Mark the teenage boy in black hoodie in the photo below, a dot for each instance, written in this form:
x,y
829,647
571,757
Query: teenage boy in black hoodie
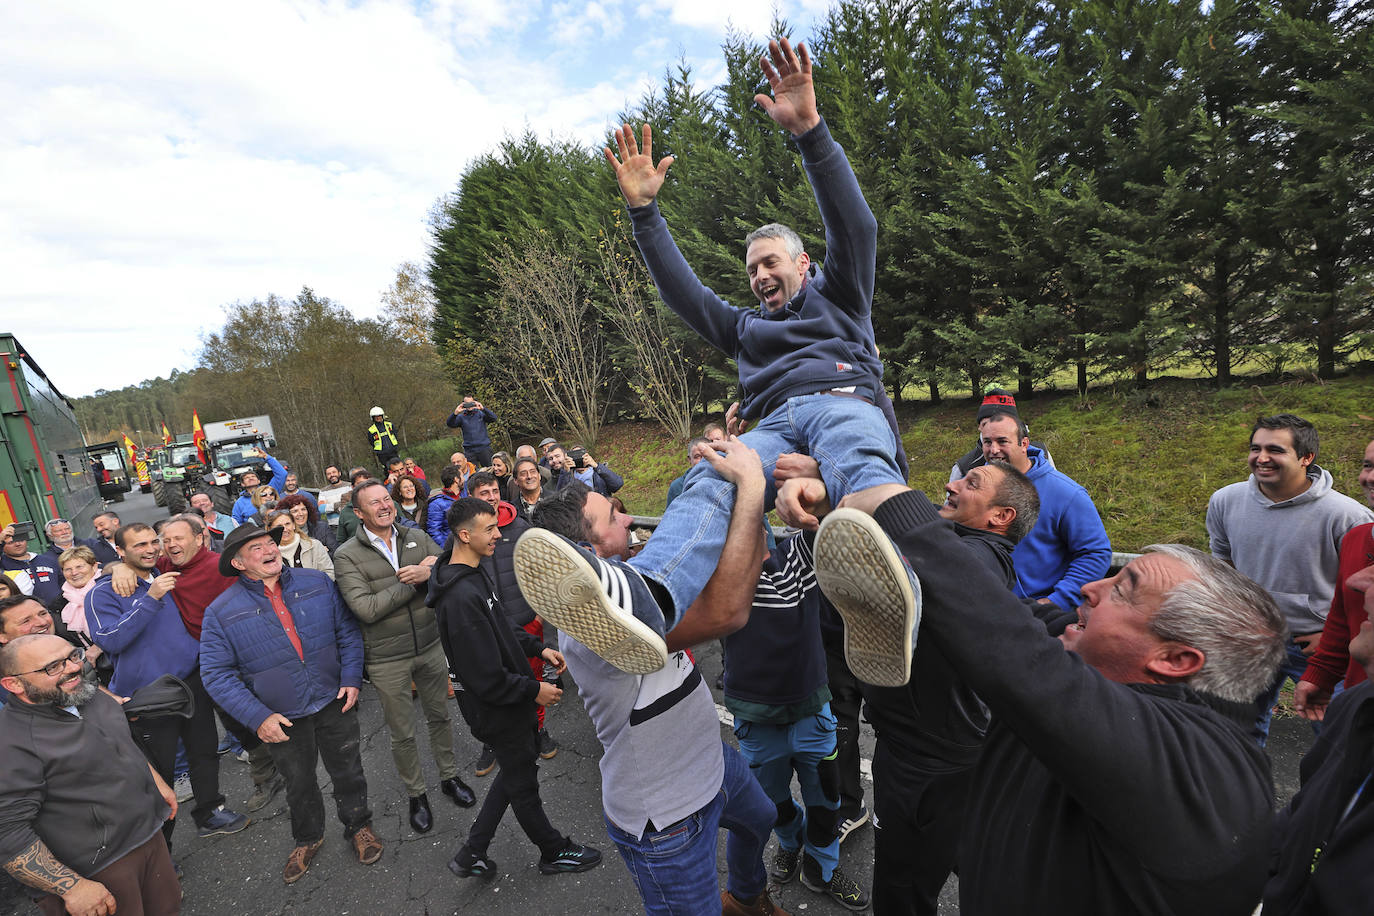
x,y
487,653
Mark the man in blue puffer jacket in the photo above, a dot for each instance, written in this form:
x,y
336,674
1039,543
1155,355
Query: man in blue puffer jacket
x,y
281,653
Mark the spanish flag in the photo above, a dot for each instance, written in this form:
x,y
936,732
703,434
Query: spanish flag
x,y
198,437
166,436
131,450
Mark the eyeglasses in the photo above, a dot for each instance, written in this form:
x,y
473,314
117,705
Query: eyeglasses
x,y
54,668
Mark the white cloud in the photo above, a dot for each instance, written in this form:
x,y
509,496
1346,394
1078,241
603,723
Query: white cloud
x,y
160,159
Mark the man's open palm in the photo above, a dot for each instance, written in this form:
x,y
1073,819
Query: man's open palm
x,y
793,104
639,178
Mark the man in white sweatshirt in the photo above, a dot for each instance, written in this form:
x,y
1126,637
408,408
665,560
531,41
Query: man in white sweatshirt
x,y
1282,527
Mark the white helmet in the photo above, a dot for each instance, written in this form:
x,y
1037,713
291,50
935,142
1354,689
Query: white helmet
x,y
377,412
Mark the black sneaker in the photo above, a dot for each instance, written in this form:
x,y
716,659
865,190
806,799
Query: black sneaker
x,y
486,761
841,888
784,867
548,748
466,865
573,857
850,820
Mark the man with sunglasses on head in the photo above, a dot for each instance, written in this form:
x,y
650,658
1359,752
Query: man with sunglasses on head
x,y
75,793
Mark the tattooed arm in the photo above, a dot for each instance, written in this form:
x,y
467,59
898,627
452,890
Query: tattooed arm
x,y
37,867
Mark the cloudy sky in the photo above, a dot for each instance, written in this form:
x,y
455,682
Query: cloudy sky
x,y
159,160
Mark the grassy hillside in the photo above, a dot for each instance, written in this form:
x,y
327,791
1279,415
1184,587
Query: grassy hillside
x,y
1150,460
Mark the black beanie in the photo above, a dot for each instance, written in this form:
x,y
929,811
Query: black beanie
x,y
997,400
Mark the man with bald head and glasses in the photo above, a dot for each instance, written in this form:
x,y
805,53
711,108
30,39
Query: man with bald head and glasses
x,y
70,760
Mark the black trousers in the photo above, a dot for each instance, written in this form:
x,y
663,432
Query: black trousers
x,y
158,737
516,785
332,736
479,455
920,818
845,699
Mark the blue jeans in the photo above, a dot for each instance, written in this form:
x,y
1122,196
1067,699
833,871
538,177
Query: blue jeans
x,y
1294,664
849,437
675,868
807,747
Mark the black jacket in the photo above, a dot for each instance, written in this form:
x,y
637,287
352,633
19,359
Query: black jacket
x,y
1090,797
1322,864
486,652
936,722
79,784
500,566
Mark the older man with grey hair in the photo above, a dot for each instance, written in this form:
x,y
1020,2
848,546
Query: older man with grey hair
x,y
1117,776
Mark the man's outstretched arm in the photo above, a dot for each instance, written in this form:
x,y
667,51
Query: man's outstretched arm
x,y
724,604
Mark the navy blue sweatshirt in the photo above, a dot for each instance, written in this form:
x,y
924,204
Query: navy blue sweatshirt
x,y
777,658
823,337
474,425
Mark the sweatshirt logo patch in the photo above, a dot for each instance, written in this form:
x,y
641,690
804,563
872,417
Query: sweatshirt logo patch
x,y
843,367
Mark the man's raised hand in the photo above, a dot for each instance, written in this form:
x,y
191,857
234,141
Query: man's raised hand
x,y
635,172
793,104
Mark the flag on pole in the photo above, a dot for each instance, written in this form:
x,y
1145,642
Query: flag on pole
x,y
166,436
198,437
131,450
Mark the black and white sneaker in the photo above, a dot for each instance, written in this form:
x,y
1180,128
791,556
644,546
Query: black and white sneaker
x,y
573,857
466,865
597,602
876,593
841,888
849,821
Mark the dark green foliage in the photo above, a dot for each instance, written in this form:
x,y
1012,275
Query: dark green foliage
x,y
1110,187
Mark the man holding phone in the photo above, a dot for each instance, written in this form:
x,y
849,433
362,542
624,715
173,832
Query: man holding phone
x,y
578,464
472,418
41,576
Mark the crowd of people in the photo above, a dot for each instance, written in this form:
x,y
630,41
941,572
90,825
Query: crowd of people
x,y
1068,739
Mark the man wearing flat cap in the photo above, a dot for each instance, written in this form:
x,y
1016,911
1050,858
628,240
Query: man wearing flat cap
x,y
282,654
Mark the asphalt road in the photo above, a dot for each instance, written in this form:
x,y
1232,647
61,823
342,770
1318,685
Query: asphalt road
x,y
241,874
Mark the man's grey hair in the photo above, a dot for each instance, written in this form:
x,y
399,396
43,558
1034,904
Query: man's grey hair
x,y
48,525
790,239
190,520
699,440
1016,491
1226,616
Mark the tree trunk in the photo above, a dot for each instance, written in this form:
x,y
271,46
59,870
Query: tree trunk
x,y
1024,381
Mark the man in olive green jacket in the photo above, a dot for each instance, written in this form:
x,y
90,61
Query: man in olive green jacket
x,y
383,574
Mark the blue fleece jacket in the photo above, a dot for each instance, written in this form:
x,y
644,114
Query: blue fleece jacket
x,y
243,506
248,663
474,425
144,637
1067,547
823,337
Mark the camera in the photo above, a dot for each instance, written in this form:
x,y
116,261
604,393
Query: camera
x,y
578,456
469,404
23,531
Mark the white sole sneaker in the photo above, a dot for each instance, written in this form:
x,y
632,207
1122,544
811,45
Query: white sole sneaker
x,y
569,592
862,574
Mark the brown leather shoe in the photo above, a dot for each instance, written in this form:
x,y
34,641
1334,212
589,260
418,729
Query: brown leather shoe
x,y
366,844
763,905
298,863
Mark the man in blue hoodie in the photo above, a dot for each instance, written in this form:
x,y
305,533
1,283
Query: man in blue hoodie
x,y
809,372
1068,546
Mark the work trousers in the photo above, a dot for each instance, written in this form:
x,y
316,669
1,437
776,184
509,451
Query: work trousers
x,y
158,736
428,671
332,736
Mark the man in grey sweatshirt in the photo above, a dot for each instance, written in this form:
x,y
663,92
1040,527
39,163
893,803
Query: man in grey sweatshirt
x,y
1282,527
